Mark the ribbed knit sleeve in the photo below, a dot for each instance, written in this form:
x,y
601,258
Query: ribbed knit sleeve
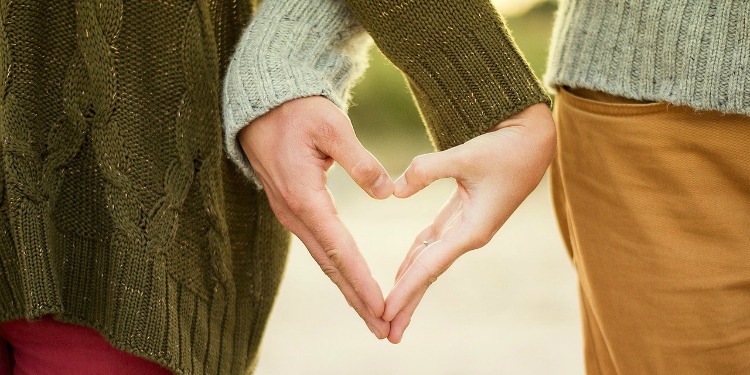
x,y
462,65
694,53
291,49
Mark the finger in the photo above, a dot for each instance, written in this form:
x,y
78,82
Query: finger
x,y
450,210
403,318
342,145
426,169
418,245
448,214
318,214
377,325
423,271
342,252
301,230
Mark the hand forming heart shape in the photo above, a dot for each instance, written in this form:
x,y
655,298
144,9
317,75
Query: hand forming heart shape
x,y
291,148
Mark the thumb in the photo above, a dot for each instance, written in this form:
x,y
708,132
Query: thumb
x,y
426,169
359,163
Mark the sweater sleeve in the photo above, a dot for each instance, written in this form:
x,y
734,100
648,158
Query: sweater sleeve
x,y
461,64
291,49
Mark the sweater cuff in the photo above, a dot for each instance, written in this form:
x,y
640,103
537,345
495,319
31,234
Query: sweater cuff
x,y
459,59
291,49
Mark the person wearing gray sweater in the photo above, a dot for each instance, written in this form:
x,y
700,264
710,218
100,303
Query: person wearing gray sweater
x,y
651,181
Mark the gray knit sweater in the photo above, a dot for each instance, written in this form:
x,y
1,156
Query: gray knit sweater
x,y
686,52
291,49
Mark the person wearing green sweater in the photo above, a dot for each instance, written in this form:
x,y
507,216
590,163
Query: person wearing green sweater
x,y
123,215
651,182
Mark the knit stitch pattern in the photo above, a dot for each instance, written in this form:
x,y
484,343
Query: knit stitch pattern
x,y
685,52
119,209
462,66
291,50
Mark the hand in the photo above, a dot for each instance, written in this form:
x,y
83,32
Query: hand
x,y
290,149
494,173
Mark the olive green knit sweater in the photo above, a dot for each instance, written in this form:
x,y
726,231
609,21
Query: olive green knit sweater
x,y
119,209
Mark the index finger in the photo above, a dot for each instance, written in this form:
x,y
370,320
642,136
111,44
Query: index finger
x,y
377,325
337,246
423,271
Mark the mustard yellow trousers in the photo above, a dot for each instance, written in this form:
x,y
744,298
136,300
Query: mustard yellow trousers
x,y
653,201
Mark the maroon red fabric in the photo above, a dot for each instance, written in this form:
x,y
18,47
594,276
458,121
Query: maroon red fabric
x,y
49,347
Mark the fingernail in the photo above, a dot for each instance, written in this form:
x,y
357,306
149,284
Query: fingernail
x,y
400,185
374,330
382,187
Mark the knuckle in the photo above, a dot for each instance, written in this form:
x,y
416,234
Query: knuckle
x,y
366,172
286,195
481,239
418,170
356,287
470,162
431,280
334,255
296,206
432,275
338,259
331,272
328,131
284,219
478,242
282,214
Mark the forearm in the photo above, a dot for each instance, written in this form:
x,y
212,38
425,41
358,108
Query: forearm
x,y
291,49
459,59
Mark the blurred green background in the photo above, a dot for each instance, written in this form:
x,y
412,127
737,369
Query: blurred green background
x,y
384,114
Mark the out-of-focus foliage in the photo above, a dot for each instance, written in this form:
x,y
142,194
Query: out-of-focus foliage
x,y
384,115
532,32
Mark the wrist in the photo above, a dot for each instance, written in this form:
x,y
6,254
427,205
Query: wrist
x,y
316,49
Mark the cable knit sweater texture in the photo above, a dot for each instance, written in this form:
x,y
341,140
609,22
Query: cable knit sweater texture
x,y
685,52
119,208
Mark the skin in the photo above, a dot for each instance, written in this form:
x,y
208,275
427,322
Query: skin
x,y
494,173
292,147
